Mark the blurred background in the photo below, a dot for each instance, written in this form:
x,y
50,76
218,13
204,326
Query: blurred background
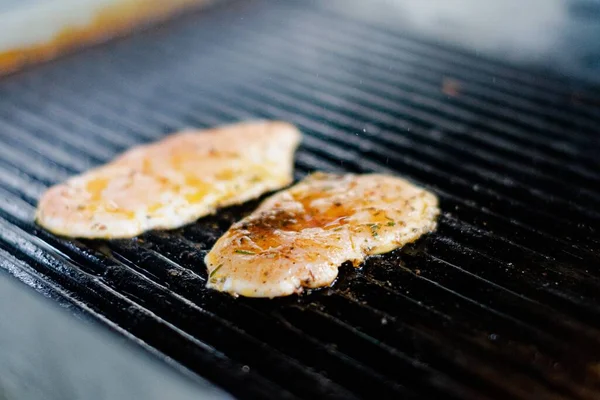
x,y
559,35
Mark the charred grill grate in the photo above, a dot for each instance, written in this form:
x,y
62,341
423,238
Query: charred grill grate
x,y
501,302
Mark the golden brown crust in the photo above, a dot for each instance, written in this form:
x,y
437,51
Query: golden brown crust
x,y
109,22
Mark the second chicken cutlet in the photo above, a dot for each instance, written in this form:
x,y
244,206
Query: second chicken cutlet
x,y
299,237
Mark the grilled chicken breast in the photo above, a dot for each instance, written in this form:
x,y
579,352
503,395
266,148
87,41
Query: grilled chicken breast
x,y
299,237
172,182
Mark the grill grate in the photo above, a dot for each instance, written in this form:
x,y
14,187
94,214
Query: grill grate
x,y
502,301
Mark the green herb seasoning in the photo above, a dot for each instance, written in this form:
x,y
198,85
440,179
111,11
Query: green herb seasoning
x,y
250,253
215,271
374,229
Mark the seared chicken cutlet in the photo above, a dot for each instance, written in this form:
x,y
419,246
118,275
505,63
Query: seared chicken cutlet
x,y
172,182
299,237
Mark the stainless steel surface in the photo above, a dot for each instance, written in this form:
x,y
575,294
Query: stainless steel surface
x,y
47,354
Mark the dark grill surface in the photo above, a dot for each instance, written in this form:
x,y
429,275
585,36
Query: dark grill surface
x,y
503,301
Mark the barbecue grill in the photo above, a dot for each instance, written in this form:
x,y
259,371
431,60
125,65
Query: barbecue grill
x,y
502,301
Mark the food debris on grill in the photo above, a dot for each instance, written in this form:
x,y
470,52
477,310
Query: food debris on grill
x,y
172,182
299,237
451,87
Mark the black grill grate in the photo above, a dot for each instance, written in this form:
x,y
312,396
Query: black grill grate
x,y
502,301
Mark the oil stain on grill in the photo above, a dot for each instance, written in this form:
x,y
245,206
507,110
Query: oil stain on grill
x,y
502,301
